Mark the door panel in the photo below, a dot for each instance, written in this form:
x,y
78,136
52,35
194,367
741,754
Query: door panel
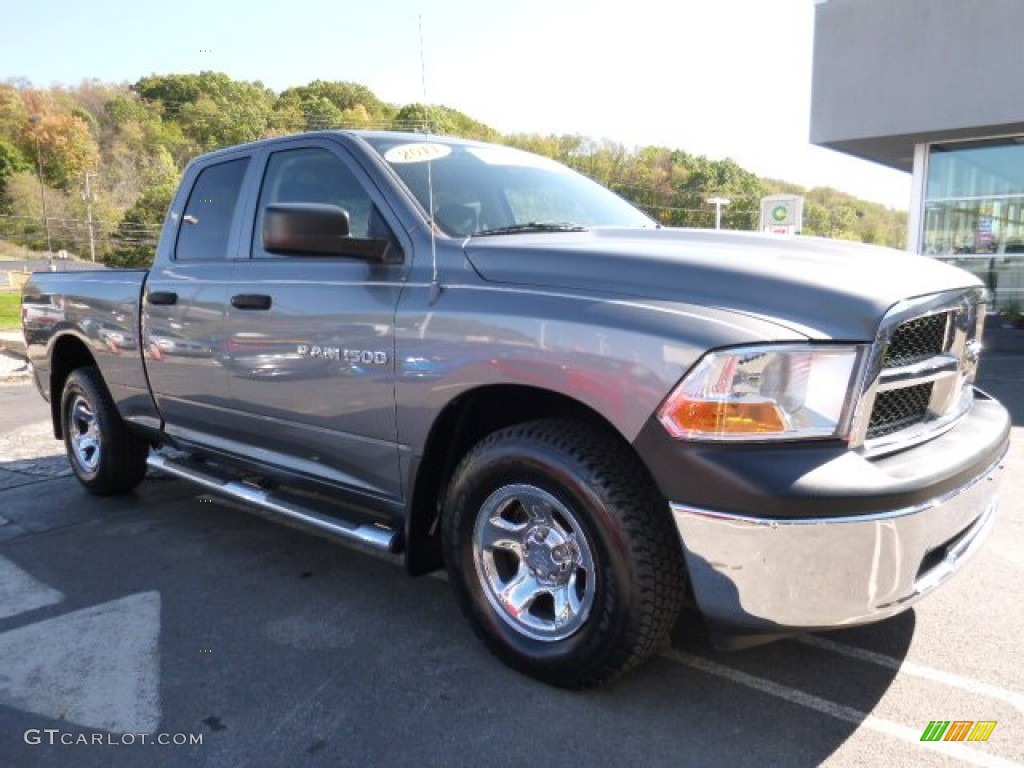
x,y
310,340
183,345
312,377
184,305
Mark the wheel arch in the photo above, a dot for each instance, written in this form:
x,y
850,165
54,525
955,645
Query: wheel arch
x,y
69,353
469,418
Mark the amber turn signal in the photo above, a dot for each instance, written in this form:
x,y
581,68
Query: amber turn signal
x,y
684,417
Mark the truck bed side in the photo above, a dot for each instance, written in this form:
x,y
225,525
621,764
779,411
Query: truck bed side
x,y
92,315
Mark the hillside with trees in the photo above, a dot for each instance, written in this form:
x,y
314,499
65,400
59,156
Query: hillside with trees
x,y
128,144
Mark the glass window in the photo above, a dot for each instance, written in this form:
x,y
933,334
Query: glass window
x,y
974,226
974,212
314,175
976,169
974,201
477,187
206,226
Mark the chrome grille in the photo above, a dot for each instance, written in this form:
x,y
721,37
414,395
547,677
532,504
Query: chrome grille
x,y
918,379
917,340
898,409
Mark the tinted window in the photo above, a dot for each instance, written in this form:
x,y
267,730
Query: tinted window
x,y
206,225
316,176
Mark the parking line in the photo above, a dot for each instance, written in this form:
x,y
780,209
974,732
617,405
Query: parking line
x,y
917,670
20,592
839,711
97,667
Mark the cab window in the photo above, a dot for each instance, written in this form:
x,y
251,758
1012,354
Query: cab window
x,y
205,229
314,175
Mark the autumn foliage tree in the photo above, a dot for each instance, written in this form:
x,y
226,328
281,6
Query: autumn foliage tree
x,y
134,142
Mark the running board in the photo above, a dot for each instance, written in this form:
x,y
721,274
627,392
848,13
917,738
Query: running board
x,y
275,508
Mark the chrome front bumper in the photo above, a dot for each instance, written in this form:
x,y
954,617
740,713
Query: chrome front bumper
x,y
754,576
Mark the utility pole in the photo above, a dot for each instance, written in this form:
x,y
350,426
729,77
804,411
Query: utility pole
x,y
35,120
718,202
88,213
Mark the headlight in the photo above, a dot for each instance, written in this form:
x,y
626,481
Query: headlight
x,y
765,393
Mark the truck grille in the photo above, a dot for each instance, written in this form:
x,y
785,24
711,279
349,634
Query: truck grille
x,y
919,381
917,340
898,409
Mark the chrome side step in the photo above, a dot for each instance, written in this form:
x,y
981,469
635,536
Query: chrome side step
x,y
268,505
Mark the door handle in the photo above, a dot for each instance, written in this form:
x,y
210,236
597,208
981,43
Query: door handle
x,y
163,297
251,301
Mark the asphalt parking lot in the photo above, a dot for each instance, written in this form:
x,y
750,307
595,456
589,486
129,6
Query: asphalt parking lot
x,y
170,613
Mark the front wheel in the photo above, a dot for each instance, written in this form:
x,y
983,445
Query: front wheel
x,y
561,553
106,457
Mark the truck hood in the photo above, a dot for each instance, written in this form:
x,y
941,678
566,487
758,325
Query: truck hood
x,y
825,289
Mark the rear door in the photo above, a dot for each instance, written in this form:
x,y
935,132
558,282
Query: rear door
x,y
310,339
185,299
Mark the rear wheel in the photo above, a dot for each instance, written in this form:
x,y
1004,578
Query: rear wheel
x,y
106,457
561,553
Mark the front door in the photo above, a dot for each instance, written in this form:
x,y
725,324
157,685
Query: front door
x,y
310,339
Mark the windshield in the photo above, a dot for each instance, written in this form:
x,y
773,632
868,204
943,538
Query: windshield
x,y
485,190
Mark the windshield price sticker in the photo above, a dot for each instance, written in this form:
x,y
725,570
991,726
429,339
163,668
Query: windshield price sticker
x,y
416,153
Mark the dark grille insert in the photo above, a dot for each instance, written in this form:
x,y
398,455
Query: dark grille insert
x,y
917,340
898,409
934,557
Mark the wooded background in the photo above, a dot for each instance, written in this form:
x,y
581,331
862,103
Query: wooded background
x,y
133,141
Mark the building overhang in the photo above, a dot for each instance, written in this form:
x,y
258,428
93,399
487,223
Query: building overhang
x,y
889,75
898,151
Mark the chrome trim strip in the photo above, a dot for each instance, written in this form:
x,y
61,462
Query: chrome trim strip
x,y
937,367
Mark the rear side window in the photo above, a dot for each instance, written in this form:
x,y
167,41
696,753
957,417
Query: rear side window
x,y
206,226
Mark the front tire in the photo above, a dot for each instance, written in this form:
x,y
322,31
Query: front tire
x,y
561,553
106,457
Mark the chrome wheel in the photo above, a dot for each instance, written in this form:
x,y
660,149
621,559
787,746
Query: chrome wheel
x,y
533,562
85,434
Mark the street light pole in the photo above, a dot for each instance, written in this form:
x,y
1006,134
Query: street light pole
x,y
35,120
718,202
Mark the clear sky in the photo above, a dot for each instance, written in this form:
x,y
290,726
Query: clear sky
x,y
725,78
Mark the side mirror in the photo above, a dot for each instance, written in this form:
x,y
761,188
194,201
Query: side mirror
x,y
316,229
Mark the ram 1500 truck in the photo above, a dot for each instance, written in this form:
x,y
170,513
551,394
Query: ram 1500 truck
x,y
473,358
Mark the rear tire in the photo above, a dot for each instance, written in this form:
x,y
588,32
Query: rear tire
x,y
561,553
106,457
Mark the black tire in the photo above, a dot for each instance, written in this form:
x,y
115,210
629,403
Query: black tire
x,y
601,492
106,457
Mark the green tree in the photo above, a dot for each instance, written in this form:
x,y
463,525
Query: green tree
x,y
323,104
441,120
27,225
11,162
135,239
212,109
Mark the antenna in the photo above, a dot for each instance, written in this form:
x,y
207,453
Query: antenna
x,y
435,284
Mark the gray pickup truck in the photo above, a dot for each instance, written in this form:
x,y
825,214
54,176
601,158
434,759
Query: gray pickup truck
x,y
471,357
